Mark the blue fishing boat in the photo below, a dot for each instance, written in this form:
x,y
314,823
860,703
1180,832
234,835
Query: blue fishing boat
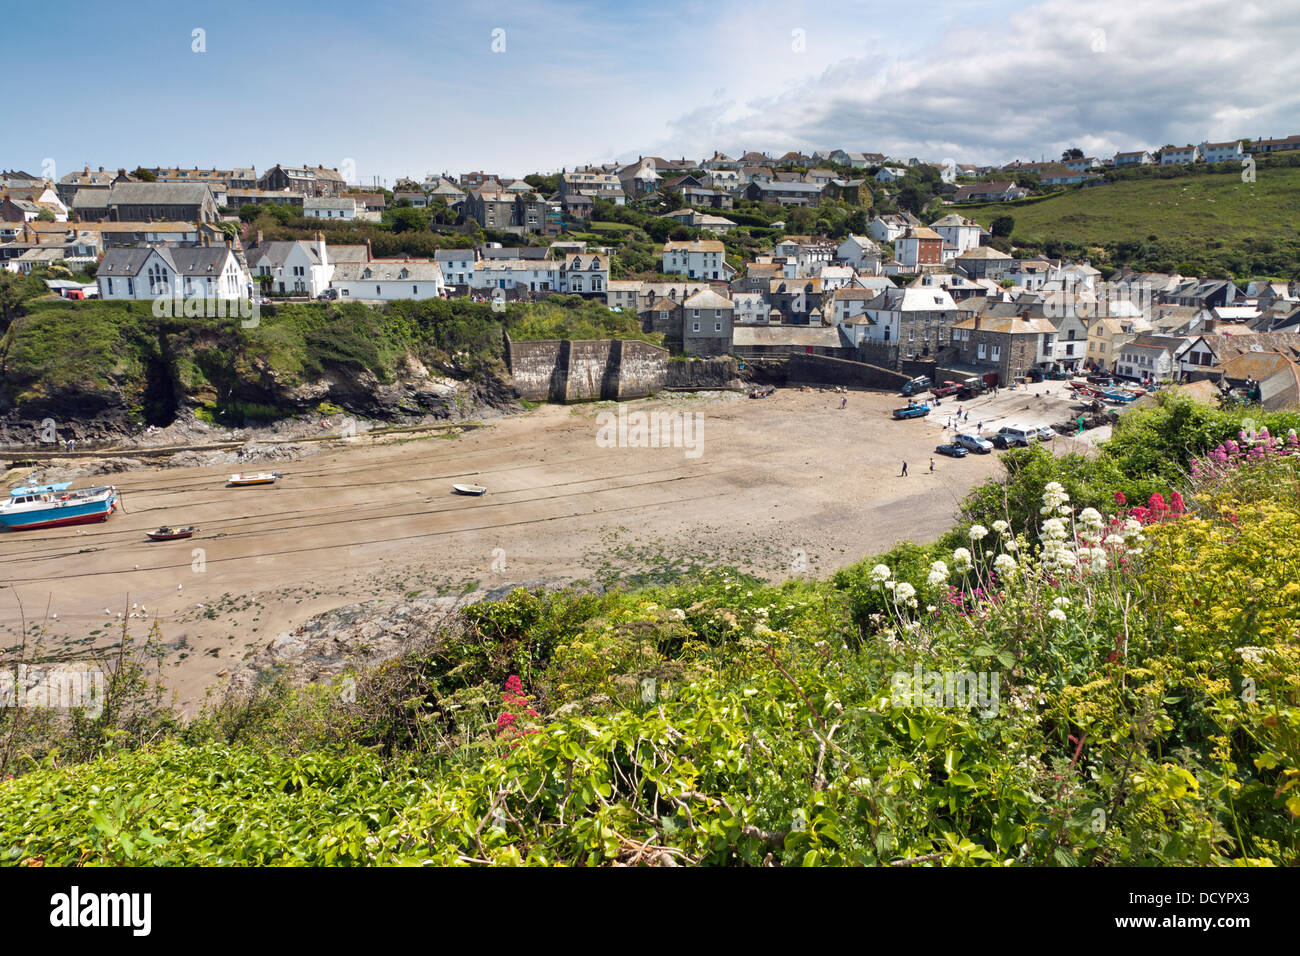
x,y
1119,395
54,509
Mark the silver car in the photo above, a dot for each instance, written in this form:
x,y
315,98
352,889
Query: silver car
x,y
972,442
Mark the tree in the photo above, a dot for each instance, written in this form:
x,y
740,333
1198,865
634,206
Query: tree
x,y
407,219
45,216
1002,226
1073,152
144,175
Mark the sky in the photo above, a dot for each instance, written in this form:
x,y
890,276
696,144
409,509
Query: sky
x,y
404,88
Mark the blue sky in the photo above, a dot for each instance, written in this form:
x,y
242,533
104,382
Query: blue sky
x,y
408,88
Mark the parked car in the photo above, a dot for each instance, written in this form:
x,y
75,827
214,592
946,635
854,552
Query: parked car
x,y
1013,436
970,388
946,389
972,442
917,385
913,410
329,294
952,451
1044,432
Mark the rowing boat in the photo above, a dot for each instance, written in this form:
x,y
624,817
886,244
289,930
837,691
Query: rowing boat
x,y
258,478
469,489
171,534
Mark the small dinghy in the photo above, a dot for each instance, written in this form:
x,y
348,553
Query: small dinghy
x,y
469,489
258,478
171,534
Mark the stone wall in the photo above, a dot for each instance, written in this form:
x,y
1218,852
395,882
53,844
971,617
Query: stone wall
x,y
562,370
824,370
711,373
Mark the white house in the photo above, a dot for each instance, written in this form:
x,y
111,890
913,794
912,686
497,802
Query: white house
x,y
290,266
388,279
1140,157
1222,152
959,232
148,272
889,227
330,207
1179,154
890,174
584,272
697,259
534,275
860,253
458,265
751,308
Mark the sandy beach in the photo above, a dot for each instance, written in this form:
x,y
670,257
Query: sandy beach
x,y
786,485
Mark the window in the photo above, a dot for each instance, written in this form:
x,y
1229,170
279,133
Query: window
x,y
717,326
695,327
378,290
980,352
997,353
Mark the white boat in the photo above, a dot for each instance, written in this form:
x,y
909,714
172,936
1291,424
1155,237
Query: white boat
x,y
469,489
256,478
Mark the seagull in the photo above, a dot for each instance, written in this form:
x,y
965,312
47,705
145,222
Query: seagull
x,y
180,587
54,616
107,611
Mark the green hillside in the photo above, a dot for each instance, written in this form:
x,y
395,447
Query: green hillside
x,y
1209,222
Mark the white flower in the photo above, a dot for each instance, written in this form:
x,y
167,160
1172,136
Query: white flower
x,y
978,532
1090,518
1114,541
1056,614
938,573
1054,529
677,614
961,559
1005,565
1133,526
904,592
1061,602
1001,527
1010,544
890,585
880,573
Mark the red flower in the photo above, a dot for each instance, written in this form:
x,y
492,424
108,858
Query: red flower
x,y
1120,499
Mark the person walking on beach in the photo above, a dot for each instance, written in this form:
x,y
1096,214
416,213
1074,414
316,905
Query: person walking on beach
x,y
904,474
931,465
844,401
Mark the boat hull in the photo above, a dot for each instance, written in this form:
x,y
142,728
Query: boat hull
x,y
90,513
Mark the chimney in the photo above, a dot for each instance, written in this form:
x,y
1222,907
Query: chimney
x,y
977,322
369,254
259,237
320,248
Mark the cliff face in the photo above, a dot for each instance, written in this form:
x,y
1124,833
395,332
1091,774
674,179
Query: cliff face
x,y
110,370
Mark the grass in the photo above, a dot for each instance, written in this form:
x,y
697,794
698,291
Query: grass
x,y
1207,219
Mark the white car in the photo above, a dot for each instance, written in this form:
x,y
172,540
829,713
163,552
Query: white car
x,y
1044,432
972,442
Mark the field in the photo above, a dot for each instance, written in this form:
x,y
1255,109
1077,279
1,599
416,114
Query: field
x,y
1248,228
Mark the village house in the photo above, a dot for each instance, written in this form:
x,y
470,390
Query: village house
x,y
960,232
1275,145
1107,335
1002,191
385,280
1223,152
915,319
343,208
1006,345
697,259
919,247
1179,154
889,227
584,273
751,308
707,320
1150,357
304,180
1271,378
1140,157
200,271
983,262
782,341
639,179
786,194
890,175
796,301
290,267
458,266
142,202
861,253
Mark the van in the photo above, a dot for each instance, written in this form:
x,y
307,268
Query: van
x,y
1013,436
917,385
